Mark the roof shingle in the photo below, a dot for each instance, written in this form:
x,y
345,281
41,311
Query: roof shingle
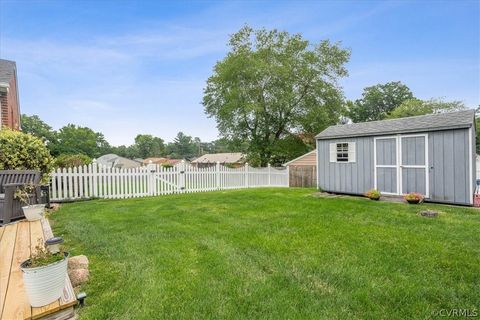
x,y
7,70
433,122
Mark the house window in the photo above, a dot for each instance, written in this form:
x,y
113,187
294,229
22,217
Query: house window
x,y
342,152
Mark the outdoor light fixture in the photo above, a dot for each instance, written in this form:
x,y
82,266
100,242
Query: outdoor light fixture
x,y
81,298
53,244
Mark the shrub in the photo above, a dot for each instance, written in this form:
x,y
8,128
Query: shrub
x,y
414,197
41,256
373,194
23,193
72,160
22,151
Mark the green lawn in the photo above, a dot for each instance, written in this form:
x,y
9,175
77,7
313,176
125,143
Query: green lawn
x,y
272,254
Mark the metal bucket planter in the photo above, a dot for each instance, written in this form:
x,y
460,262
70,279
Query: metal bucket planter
x,y
44,284
413,201
33,212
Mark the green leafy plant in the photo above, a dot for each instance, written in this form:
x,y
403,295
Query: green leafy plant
x,y
72,160
42,257
414,197
24,193
21,151
373,194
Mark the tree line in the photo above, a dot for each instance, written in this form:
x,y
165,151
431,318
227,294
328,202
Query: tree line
x,y
77,140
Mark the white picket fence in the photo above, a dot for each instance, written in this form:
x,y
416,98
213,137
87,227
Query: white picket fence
x,y
96,181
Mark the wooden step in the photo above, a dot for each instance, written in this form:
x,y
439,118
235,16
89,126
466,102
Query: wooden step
x,y
17,241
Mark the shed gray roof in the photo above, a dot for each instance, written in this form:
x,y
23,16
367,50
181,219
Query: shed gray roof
x,y
433,122
7,70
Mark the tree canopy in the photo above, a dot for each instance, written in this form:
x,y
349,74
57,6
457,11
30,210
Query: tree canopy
x,y
38,128
71,143
273,84
72,139
184,146
379,101
147,146
417,107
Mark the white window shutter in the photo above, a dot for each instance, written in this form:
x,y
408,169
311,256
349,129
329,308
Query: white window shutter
x,y
333,152
352,152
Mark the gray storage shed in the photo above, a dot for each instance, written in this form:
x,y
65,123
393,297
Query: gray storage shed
x,y
432,155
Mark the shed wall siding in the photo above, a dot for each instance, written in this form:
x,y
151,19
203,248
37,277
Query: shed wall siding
x,y
449,167
348,177
450,178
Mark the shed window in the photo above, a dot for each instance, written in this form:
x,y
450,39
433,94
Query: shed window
x,y
342,152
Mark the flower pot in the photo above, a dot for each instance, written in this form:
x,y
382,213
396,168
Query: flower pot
x,y
44,284
413,201
34,212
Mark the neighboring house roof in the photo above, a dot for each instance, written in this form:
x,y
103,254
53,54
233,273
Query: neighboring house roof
x,y
7,71
234,157
433,122
161,161
112,160
308,159
153,160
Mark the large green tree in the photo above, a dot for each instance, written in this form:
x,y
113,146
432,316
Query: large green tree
x,y
273,84
72,139
146,146
417,107
38,128
379,101
184,146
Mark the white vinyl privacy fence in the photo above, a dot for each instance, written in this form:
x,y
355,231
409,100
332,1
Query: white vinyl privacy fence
x,y
96,181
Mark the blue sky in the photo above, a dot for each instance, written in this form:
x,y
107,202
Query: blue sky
x,y
128,67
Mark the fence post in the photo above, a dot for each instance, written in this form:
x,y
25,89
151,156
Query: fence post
x,y
181,178
288,176
94,178
269,175
151,173
246,174
217,175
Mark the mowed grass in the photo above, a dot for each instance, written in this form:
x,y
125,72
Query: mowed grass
x,y
272,254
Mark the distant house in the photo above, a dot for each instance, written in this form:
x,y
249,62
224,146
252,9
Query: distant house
x,y
9,102
112,160
303,170
306,160
234,159
162,161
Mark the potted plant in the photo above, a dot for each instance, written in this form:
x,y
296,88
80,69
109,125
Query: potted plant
x,y
373,194
27,195
414,198
44,275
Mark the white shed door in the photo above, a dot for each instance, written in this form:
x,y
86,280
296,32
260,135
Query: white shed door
x,y
386,165
401,164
